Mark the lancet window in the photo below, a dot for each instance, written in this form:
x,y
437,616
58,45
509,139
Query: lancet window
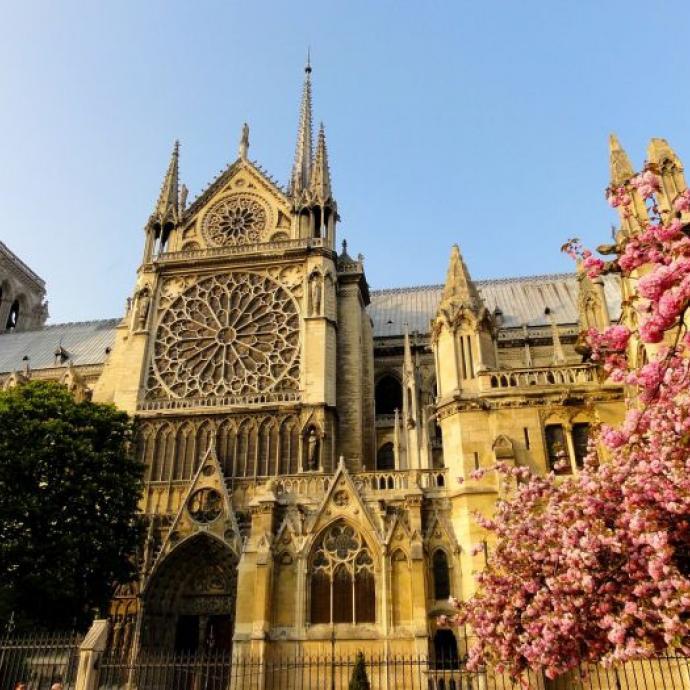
x,y
441,574
342,578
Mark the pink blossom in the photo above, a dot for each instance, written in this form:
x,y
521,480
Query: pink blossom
x,y
682,202
646,183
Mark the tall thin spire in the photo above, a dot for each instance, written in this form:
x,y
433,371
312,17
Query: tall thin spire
x,y
301,169
166,209
620,165
320,184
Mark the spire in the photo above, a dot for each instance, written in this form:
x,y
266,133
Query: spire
x,y
320,184
301,169
459,286
167,206
620,165
244,142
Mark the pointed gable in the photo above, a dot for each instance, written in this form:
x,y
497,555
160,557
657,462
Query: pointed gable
x,y
206,508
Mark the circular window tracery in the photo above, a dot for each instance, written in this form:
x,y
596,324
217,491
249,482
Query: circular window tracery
x,y
205,505
238,219
236,334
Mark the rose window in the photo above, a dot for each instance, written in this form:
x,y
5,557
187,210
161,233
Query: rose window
x,y
235,220
235,334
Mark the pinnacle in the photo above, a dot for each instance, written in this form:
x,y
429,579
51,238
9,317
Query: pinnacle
x,y
659,151
459,285
620,166
320,183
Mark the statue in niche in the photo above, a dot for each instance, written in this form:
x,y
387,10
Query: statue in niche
x,y
313,450
315,289
143,309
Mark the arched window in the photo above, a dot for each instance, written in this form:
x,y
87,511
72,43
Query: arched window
x,y
580,440
13,316
342,578
441,574
385,458
556,449
388,395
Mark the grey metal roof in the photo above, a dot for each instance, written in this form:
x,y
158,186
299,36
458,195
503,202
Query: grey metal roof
x,y
85,342
522,301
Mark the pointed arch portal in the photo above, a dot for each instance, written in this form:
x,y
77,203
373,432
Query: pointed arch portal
x,y
189,603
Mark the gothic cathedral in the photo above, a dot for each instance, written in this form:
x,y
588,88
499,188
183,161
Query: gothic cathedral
x,y
309,443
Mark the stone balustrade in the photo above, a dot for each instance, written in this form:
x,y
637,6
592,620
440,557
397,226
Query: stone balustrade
x,y
561,375
219,401
267,248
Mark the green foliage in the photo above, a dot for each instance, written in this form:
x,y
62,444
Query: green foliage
x,y
69,488
359,679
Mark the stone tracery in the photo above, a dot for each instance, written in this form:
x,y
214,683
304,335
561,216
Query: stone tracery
x,y
238,219
235,334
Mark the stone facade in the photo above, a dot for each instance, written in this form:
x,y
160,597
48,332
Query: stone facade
x,y
304,438
22,294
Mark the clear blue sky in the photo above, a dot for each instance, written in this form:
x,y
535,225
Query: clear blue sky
x,y
483,123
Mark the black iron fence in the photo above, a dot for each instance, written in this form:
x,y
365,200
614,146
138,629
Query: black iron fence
x,y
39,661
217,670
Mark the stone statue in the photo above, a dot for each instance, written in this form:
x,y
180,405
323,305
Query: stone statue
x,y
182,202
143,310
312,450
128,305
244,141
315,296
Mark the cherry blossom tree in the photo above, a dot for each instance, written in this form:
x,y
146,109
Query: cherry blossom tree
x,y
596,567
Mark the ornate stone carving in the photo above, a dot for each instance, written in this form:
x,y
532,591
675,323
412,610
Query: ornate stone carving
x,y
341,545
234,334
237,219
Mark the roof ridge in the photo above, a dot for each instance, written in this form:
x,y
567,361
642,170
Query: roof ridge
x,y
51,326
478,283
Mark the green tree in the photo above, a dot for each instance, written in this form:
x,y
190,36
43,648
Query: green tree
x,y
69,487
359,679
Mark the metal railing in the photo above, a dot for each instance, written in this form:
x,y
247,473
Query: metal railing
x,y
219,670
39,661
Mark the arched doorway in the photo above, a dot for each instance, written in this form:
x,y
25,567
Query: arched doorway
x,y
189,604
445,649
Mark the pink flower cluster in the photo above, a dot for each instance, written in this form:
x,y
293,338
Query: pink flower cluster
x,y
596,567
646,183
